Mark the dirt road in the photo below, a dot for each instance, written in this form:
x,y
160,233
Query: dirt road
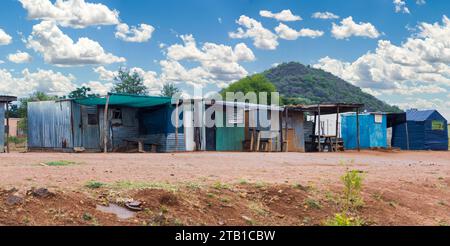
x,y
399,188
28,169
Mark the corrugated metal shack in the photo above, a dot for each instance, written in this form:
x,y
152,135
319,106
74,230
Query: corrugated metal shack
x,y
423,130
4,131
372,130
231,126
79,124
301,135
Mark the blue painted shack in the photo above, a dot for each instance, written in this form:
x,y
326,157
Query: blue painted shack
x,y
69,124
372,130
423,130
4,102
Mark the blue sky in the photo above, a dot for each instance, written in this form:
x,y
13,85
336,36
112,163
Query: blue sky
x,y
197,42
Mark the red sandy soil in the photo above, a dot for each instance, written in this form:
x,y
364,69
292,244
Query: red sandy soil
x,y
399,188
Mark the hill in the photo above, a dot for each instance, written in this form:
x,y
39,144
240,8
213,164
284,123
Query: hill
x,y
299,84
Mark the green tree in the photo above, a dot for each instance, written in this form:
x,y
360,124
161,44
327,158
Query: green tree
x,y
128,82
169,90
23,106
81,92
256,83
13,111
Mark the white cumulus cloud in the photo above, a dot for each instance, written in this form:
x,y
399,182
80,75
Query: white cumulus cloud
x,y
48,81
59,49
262,38
150,78
71,13
349,28
20,57
288,33
324,15
285,15
139,34
400,6
5,39
218,63
418,66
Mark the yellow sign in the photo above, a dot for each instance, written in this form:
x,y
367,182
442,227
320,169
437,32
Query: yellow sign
x,y
437,125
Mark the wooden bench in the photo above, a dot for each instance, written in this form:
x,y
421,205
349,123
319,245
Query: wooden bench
x,y
138,141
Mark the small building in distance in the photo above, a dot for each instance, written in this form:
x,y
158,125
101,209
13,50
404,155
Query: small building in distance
x,y
4,103
423,130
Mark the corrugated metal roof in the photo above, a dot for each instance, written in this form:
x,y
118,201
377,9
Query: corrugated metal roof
x,y
418,115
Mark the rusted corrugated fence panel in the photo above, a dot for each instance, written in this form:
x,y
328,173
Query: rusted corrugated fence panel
x,y
49,125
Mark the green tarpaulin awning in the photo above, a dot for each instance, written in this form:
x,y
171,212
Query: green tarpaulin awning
x,y
133,101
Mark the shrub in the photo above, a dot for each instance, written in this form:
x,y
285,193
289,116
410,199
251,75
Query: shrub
x,y
341,219
352,190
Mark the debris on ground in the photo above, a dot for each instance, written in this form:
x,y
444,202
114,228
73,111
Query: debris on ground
x,y
41,193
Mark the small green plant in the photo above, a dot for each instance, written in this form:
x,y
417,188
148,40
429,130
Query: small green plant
x,y
193,186
60,163
94,184
312,203
164,209
225,199
260,185
243,181
87,217
220,186
17,140
257,208
341,219
132,185
352,190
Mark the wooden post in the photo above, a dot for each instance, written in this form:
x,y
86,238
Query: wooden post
x,y
337,128
281,130
258,141
286,147
320,146
105,126
176,127
7,127
357,130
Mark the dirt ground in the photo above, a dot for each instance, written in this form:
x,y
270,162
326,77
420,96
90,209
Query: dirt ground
x,y
399,188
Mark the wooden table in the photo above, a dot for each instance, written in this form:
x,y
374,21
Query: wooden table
x,y
329,140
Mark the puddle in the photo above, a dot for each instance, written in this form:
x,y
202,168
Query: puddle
x,y
120,212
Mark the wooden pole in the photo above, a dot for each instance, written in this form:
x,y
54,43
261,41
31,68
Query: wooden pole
x,y
320,146
357,130
286,147
337,128
105,126
176,127
281,130
7,127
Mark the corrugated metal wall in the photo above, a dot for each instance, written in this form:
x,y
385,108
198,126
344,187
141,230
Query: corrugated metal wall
x,y
371,133
421,135
228,138
2,127
77,125
49,125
